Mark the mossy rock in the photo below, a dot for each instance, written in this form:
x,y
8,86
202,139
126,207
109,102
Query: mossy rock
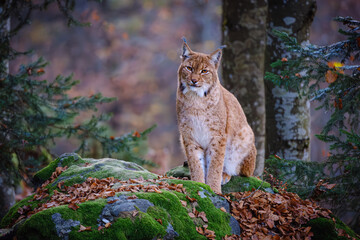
x,y
180,171
236,183
135,215
79,169
164,215
326,229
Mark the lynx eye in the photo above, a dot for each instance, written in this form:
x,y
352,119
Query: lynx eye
x,y
189,68
204,71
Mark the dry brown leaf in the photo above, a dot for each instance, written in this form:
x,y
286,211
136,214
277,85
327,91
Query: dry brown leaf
x,y
190,199
183,203
135,213
200,230
132,197
83,228
223,209
73,206
202,215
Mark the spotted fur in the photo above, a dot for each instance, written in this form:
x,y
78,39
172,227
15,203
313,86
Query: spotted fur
x,y
214,133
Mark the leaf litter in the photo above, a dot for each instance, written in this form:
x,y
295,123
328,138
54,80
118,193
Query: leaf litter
x,y
261,215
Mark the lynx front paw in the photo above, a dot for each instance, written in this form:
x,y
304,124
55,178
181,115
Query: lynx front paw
x,y
225,178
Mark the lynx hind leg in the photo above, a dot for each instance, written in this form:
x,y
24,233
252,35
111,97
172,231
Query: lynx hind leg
x,y
225,178
247,167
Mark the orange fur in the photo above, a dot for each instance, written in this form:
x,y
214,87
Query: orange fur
x,y
214,133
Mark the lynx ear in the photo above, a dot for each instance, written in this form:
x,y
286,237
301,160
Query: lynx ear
x,y
215,57
186,51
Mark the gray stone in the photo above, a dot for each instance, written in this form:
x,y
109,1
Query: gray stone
x,y
62,226
235,227
171,233
123,205
218,201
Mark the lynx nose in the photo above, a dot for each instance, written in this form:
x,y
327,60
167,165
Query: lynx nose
x,y
194,81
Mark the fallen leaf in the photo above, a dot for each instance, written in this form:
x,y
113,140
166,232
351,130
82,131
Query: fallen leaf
x,y
73,206
132,197
270,223
190,199
135,213
202,215
183,203
83,228
223,209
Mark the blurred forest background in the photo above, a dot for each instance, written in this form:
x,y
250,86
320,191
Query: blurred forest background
x,y
131,52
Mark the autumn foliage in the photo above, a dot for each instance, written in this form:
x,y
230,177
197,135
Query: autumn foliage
x,y
261,215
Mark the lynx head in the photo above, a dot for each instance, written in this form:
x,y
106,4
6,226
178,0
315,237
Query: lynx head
x,y
198,71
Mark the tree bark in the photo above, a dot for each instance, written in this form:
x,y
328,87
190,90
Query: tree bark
x,y
7,191
287,115
244,34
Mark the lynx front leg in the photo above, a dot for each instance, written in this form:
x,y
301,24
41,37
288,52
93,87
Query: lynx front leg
x,y
215,160
196,161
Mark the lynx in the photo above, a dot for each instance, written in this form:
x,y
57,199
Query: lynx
x,y
214,133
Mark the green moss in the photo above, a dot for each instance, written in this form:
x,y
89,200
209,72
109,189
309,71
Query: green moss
x,y
41,226
159,213
103,168
12,214
323,229
218,220
38,226
341,225
242,184
179,172
45,173
180,219
182,223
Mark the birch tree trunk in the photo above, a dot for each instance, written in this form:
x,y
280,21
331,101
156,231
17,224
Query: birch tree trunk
x,y
287,115
7,191
244,34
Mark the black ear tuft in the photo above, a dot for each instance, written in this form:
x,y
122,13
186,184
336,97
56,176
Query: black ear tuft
x,y
215,57
186,51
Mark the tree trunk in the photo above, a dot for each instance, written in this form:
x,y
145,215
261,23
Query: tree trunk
x,y
287,115
244,33
7,191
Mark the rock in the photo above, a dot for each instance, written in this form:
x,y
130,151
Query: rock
x,y
122,207
63,227
221,202
127,203
180,171
236,183
242,184
150,203
80,169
